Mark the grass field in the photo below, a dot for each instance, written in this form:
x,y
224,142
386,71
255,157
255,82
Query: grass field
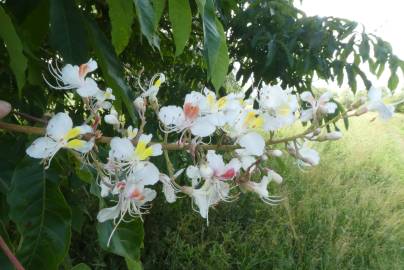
x,y
347,213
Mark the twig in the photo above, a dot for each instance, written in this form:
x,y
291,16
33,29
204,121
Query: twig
x,y
30,117
13,259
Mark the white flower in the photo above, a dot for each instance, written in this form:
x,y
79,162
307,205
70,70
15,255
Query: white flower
x,y
220,170
320,106
279,105
209,194
261,188
60,134
154,86
103,99
307,156
176,119
130,157
376,104
74,77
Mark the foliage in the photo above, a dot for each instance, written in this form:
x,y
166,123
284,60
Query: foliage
x,y
272,40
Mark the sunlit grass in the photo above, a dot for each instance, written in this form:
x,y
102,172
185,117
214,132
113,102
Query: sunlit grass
x,y
347,213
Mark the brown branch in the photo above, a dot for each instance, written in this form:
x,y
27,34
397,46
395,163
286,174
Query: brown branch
x,y
13,259
106,140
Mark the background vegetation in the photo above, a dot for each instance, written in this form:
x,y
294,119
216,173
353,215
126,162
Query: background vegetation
x,y
344,214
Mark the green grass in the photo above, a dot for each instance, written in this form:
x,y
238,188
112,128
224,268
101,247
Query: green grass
x,y
347,213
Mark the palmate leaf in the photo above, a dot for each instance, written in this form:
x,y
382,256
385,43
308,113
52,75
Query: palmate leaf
x,y
121,14
42,216
67,34
111,67
181,20
18,61
215,48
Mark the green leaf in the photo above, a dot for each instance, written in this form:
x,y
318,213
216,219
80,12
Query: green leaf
x,y
364,48
121,14
380,69
393,81
35,26
18,61
145,16
158,6
133,265
81,266
126,241
42,217
111,67
215,48
181,20
67,34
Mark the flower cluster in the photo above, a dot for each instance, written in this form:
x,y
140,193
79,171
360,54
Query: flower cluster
x,y
250,127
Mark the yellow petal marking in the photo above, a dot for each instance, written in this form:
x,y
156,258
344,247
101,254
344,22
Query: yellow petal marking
x,y
253,121
157,83
72,133
221,102
75,144
284,110
142,151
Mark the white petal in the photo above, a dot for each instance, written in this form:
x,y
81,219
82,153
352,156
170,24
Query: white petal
x,y
91,65
146,174
215,161
374,94
145,138
195,98
329,107
59,125
157,149
306,115
253,143
85,129
193,172
325,97
149,195
171,116
111,119
70,76
121,148
169,193
42,147
202,127
310,155
88,89
108,213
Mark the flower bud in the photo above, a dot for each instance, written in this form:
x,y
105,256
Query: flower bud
x,y
361,111
5,108
111,119
275,176
333,136
275,153
140,105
